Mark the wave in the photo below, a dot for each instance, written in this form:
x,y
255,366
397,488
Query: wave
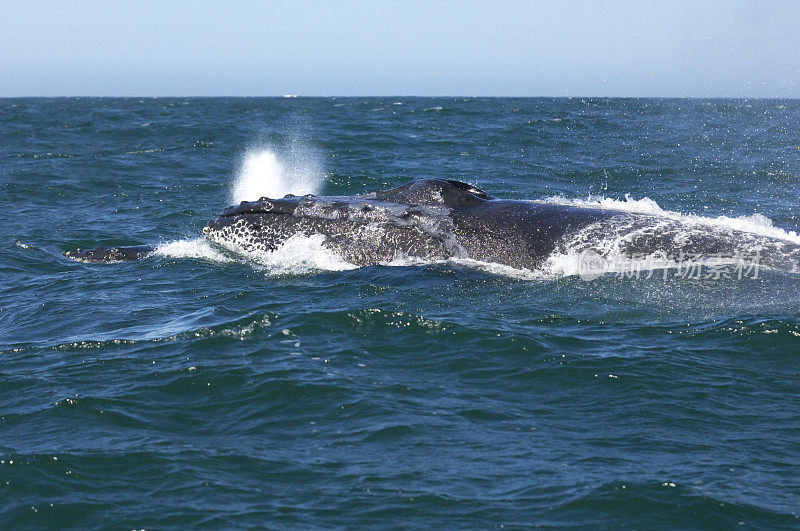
x,y
492,268
754,224
298,255
653,241
198,248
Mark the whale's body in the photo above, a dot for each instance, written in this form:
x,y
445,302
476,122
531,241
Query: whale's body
x,y
437,219
431,219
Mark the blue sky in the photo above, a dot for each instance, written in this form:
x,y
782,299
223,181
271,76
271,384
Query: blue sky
x,y
500,48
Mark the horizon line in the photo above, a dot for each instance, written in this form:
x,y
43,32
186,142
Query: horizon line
x,y
445,96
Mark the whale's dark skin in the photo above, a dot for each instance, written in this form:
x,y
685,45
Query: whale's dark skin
x,y
437,219
428,219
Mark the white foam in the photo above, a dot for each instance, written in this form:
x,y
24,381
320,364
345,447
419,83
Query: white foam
x,y
468,263
500,269
198,248
590,265
655,266
754,224
301,255
560,265
264,172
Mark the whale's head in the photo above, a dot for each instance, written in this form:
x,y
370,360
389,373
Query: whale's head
x,y
410,220
260,225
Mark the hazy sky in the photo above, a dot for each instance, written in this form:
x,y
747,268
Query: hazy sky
x,y
494,48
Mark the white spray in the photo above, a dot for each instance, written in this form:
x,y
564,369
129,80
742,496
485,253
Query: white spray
x,y
270,173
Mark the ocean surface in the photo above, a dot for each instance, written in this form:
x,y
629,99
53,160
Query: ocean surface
x,y
200,386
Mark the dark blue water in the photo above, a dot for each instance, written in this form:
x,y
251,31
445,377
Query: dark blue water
x,y
198,388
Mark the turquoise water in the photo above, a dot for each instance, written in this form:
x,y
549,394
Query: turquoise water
x,y
201,387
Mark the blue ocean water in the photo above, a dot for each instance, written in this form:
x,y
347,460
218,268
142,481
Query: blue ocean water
x,y
196,387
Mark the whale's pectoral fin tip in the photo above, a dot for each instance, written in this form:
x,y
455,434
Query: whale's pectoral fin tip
x,y
110,254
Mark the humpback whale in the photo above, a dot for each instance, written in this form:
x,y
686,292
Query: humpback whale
x,y
437,219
